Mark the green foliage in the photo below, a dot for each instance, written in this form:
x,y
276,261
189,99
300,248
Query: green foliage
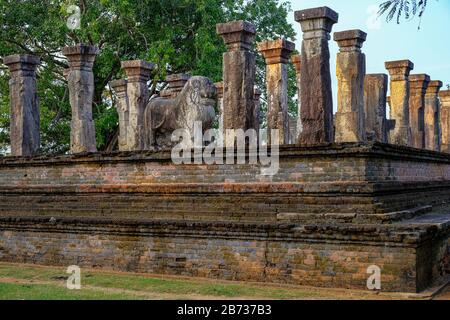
x,y
177,35
402,8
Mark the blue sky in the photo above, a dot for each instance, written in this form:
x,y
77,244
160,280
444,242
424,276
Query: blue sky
x,y
428,48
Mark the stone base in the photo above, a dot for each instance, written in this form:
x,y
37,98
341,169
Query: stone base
x,y
401,136
348,128
412,257
329,213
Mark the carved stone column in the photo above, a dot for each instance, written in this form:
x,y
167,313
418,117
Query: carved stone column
x,y
297,62
316,95
238,76
257,116
277,53
24,105
120,88
399,72
81,90
219,87
445,120
375,90
432,116
293,134
418,87
176,84
138,74
351,71
390,122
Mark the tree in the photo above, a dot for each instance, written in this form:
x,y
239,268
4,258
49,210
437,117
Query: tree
x,y
402,8
177,35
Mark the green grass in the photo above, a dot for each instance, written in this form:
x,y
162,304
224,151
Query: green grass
x,y
12,291
33,282
132,282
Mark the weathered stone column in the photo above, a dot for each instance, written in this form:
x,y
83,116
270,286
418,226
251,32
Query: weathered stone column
x,y
351,71
277,53
293,134
238,76
375,91
445,120
399,72
418,86
297,62
316,95
81,90
257,116
219,87
432,116
176,84
24,105
138,74
120,88
390,122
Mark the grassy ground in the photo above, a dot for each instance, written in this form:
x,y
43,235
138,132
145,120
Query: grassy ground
x,y
44,283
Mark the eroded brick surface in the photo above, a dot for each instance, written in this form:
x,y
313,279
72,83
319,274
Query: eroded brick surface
x,y
286,253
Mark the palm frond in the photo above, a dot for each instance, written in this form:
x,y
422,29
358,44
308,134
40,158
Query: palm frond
x,y
402,8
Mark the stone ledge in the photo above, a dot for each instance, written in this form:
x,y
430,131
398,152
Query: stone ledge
x,y
403,64
344,187
316,13
375,150
409,235
21,59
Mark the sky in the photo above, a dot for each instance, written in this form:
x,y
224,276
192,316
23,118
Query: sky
x,y
428,48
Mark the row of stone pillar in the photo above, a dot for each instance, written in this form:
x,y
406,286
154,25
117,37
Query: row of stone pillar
x,y
313,76
418,117
415,108
132,98
24,102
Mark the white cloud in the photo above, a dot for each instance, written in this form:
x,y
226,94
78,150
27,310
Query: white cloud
x,y
373,22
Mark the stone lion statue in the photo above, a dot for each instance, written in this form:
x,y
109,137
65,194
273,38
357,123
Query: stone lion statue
x,y
163,116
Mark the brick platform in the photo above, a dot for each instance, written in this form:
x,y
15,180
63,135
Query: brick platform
x,y
331,212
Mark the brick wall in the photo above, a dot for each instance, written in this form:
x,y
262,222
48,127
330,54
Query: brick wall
x,y
281,253
329,213
340,179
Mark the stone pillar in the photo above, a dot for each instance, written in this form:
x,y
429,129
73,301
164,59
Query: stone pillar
x,y
351,71
418,86
24,105
138,74
445,120
219,88
176,83
120,88
399,72
238,75
293,134
432,115
277,53
81,90
297,62
316,95
375,90
257,116
390,122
